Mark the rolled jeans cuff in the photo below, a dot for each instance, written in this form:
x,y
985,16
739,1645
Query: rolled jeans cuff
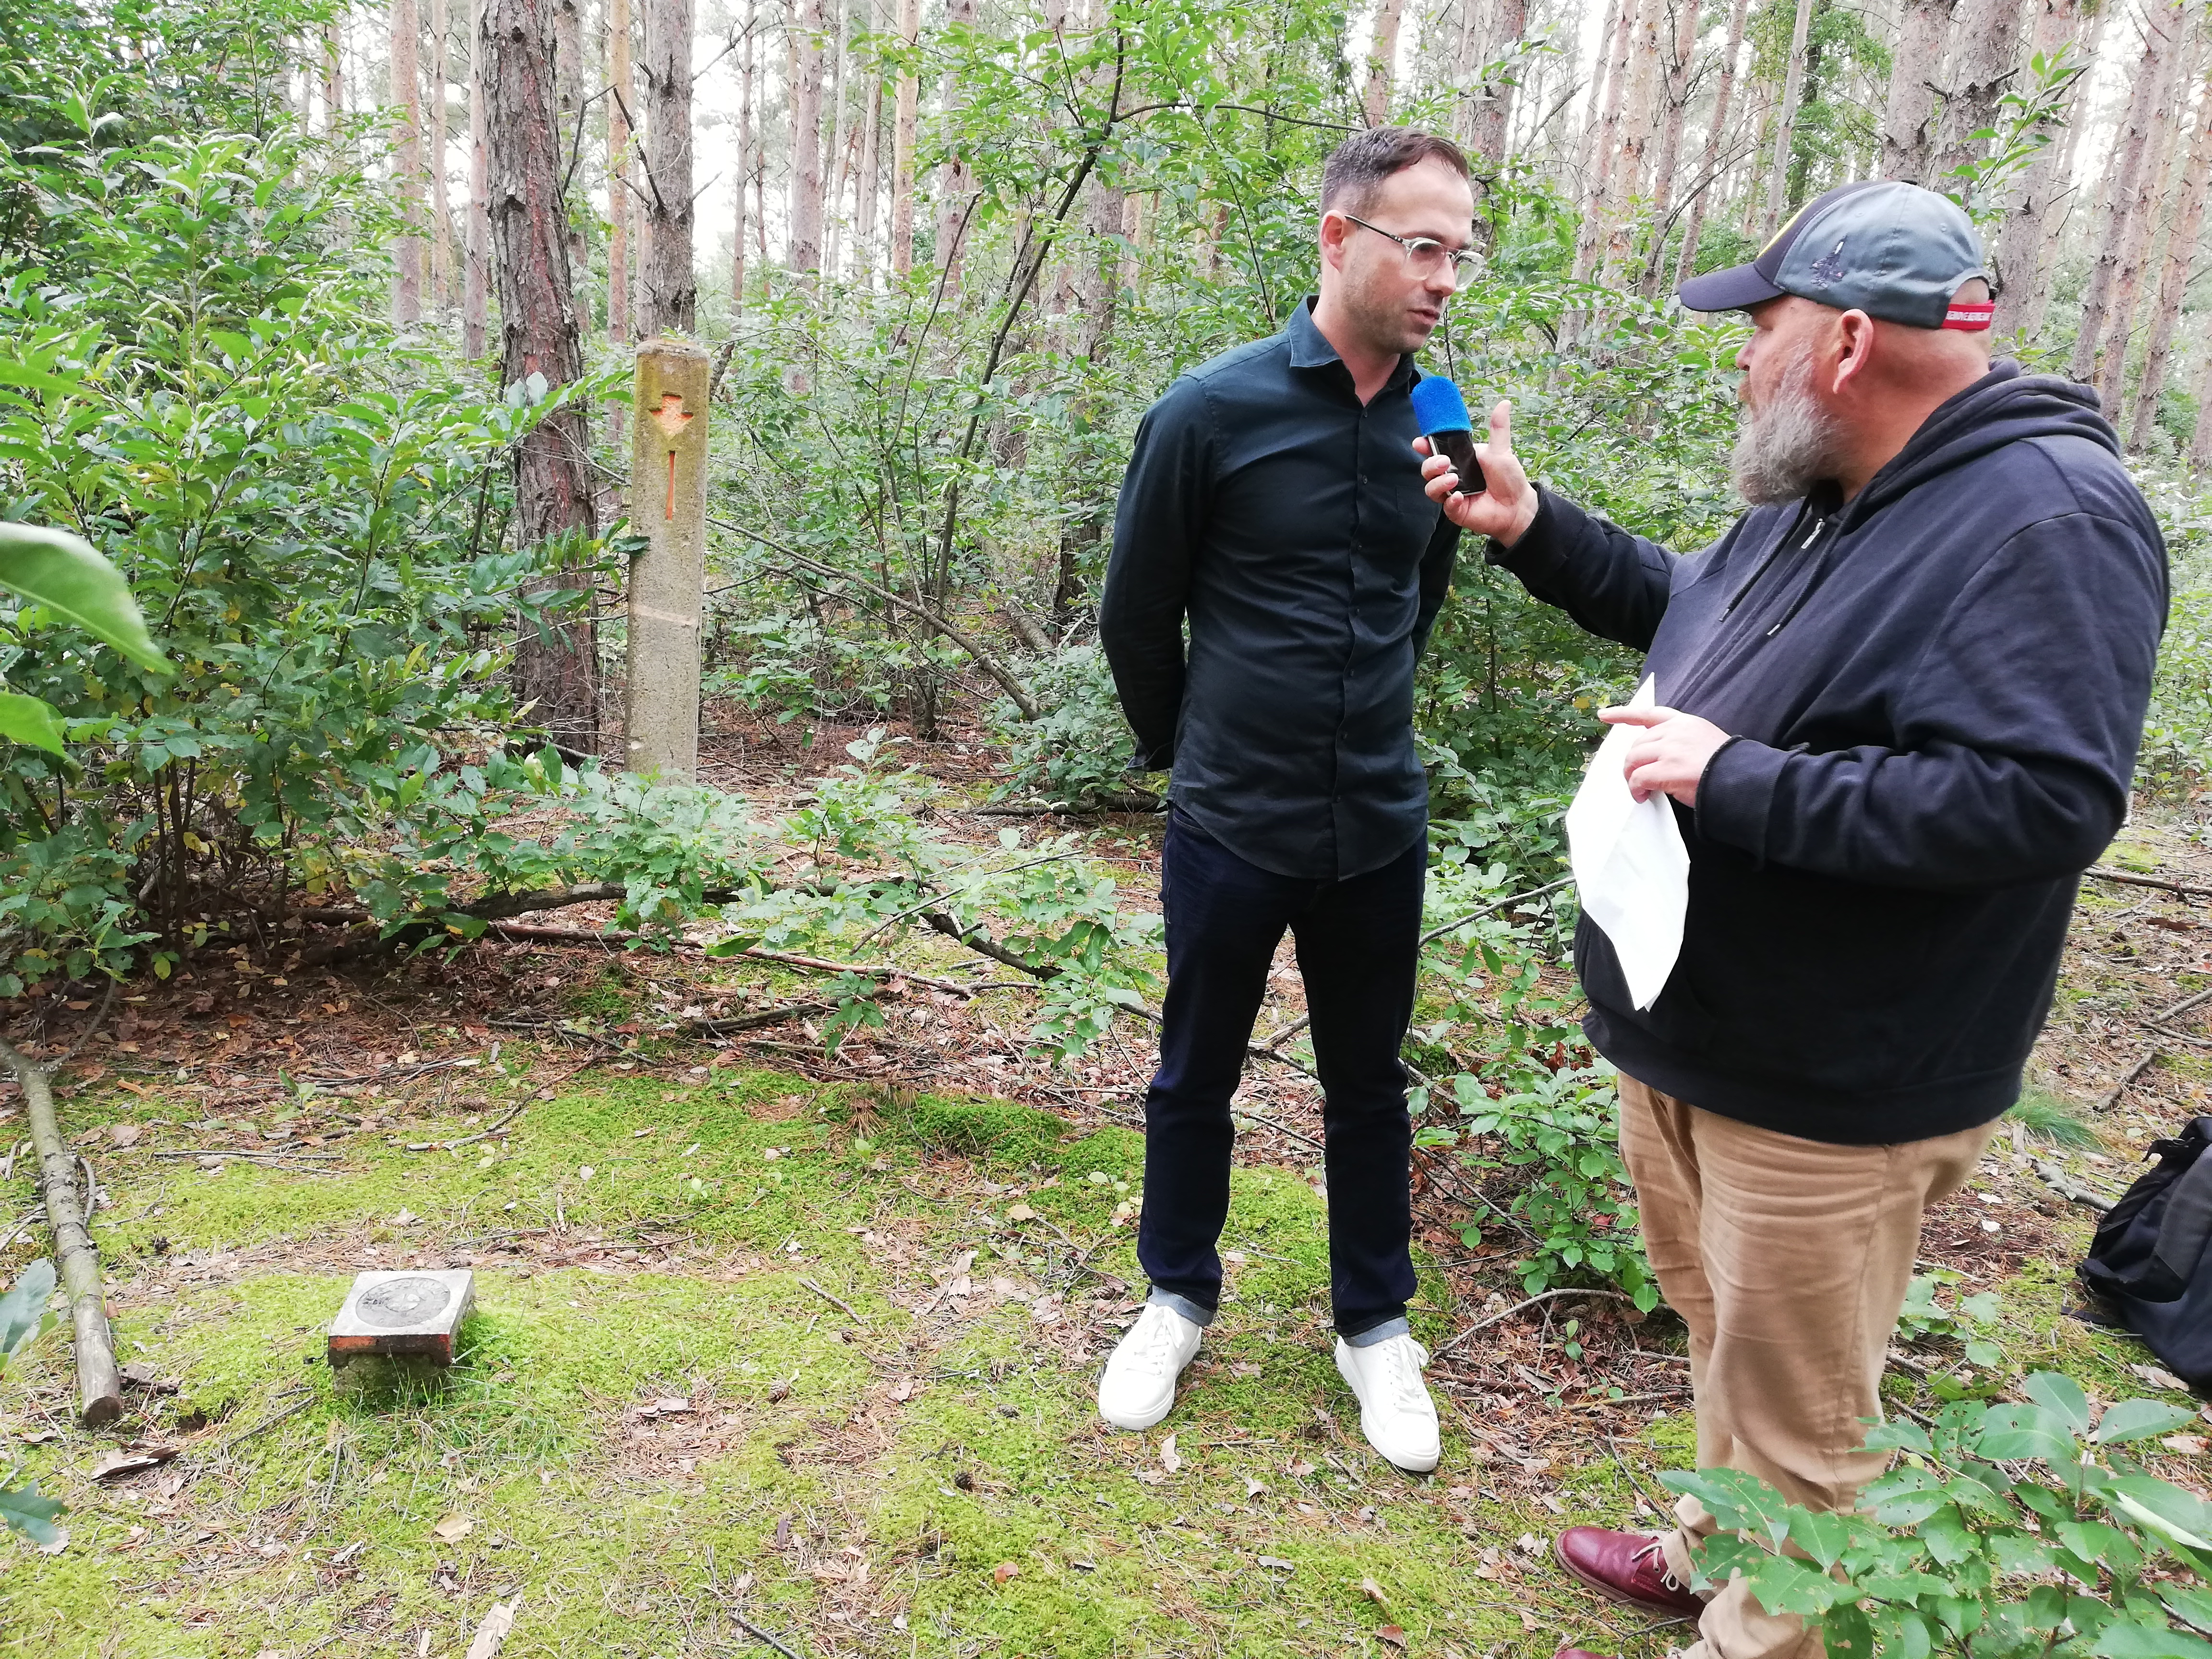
x,y
1382,1332
1182,1305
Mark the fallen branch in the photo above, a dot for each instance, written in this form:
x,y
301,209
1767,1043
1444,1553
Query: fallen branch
x,y
758,1634
2069,1189
977,940
1508,1313
2122,879
2126,1083
98,1382
835,1301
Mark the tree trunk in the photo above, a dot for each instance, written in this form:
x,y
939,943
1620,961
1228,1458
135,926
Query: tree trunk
x,y
671,286
1908,120
407,160
2021,241
622,100
902,121
835,168
1493,115
2200,438
556,674
476,282
1639,116
746,143
1984,58
1785,123
806,26
1682,51
2173,280
2162,26
333,77
568,85
1685,261
1383,60
441,224
957,179
2142,226
1620,27
868,197
1470,45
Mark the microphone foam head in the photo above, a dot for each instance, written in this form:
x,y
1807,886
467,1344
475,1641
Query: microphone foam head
x,y
1438,406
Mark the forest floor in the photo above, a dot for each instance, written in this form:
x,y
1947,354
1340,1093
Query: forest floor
x,y
777,1350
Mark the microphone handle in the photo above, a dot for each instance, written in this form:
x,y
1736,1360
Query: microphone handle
x,y
1457,446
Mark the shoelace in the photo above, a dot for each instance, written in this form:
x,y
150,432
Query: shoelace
x,y
1149,1345
1654,1550
1401,1372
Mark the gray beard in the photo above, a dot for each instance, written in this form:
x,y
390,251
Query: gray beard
x,y
1788,446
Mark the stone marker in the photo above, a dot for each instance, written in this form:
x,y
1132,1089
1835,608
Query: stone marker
x,y
411,1311
668,506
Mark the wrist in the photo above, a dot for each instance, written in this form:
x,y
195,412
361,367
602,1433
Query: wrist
x,y
1525,515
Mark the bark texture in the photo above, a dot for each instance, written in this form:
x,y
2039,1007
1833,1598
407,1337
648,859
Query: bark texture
x,y
558,673
1985,60
2173,277
956,179
2131,151
441,224
671,286
2021,242
1493,112
1614,45
745,143
1785,120
621,100
1908,119
1709,165
805,253
476,279
1383,60
903,125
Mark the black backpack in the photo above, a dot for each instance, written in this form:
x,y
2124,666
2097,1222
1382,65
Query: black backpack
x,y
2149,1261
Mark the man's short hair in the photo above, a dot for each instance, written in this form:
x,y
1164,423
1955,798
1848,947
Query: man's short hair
x,y
1357,168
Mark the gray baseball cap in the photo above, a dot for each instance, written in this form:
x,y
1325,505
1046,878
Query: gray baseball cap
x,y
1892,250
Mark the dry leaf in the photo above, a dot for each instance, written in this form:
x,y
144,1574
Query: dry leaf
x,y
1020,1213
903,1388
1392,1635
123,1135
117,1464
2189,1445
1530,1544
673,1408
1150,1477
1169,1460
1005,1570
1254,1488
453,1528
1298,1468
1277,1563
493,1632
2158,1378
1373,1592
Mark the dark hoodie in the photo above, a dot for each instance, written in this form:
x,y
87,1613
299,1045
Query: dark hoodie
x,y
1935,692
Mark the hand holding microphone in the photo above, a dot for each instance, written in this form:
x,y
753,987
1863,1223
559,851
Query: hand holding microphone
x,y
1506,501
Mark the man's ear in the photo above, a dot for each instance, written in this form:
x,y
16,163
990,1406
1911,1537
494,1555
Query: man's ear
x,y
1855,347
1334,227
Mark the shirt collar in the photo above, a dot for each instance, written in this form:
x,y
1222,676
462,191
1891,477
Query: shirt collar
x,y
1310,348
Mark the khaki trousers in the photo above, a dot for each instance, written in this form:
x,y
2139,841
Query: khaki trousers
x,y
1788,1260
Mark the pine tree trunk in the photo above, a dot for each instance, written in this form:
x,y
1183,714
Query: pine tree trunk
x,y
568,85
407,160
2131,145
902,124
2021,241
746,143
1686,261
1682,51
1470,43
621,101
836,169
1383,60
957,179
806,139
1606,129
671,285
476,278
441,224
1493,115
2200,437
2143,227
1785,124
1908,120
557,676
867,194
1638,117
333,77
1983,61
2173,280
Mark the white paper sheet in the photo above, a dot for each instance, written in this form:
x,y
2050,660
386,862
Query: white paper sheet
x,y
1632,870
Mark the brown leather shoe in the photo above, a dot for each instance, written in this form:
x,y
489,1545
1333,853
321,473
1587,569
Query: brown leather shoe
x,y
1625,1566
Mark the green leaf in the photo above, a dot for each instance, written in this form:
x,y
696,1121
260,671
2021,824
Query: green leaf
x,y
1900,1434
2062,1395
22,1310
62,572
30,721
2127,1639
2024,1433
21,1510
2192,1607
2164,1509
2138,1419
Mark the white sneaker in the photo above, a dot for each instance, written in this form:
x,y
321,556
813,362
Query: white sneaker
x,y
1138,1387
1395,1412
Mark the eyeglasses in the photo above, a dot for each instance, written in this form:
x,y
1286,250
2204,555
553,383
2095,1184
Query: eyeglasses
x,y
1425,256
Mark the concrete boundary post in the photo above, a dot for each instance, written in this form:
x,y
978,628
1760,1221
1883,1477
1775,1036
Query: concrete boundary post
x,y
668,505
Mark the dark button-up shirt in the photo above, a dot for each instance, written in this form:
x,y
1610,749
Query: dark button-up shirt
x,y
1286,522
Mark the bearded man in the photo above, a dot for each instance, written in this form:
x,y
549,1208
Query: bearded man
x,y
1903,695
1275,504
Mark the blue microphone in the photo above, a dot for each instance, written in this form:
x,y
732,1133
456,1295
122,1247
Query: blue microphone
x,y
1442,415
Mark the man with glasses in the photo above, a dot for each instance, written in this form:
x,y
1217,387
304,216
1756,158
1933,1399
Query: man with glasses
x,y
1274,506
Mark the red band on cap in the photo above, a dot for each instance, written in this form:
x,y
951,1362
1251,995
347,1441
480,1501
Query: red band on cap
x,y
1970,318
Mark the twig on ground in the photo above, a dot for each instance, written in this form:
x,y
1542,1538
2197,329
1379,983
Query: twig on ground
x,y
1507,1313
1659,1504
724,1025
265,1425
2069,1189
835,1301
254,1154
1477,915
2112,1099
2122,879
758,1634
99,1019
98,1381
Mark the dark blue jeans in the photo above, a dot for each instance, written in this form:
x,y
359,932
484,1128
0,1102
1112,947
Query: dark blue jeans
x,y
1357,943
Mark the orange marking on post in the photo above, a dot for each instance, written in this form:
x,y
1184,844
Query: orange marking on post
x,y
672,418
